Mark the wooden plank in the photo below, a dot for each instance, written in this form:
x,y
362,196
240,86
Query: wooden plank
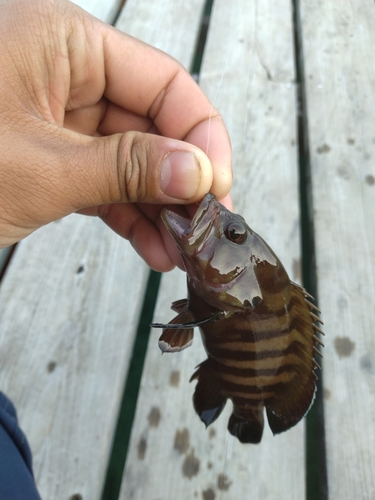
x,y
170,26
248,71
106,11
338,48
4,255
69,307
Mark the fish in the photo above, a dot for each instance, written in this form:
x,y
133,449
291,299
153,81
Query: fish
x,y
259,328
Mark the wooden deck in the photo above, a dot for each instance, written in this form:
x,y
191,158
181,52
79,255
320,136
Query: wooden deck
x,y
295,83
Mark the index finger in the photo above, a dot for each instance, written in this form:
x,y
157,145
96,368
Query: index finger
x,y
148,82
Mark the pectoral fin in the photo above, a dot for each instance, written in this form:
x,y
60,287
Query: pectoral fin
x,y
175,340
180,306
208,398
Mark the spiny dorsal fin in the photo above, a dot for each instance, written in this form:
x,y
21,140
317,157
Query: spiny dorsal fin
x,y
293,399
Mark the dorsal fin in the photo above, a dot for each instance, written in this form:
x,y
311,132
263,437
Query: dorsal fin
x,y
295,397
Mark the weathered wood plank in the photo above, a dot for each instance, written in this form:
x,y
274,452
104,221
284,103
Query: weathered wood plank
x,y
250,54
106,11
170,26
338,54
69,307
4,255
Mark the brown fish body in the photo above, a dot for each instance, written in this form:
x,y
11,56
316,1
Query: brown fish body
x,y
256,325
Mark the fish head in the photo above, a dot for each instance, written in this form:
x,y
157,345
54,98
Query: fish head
x,y
223,257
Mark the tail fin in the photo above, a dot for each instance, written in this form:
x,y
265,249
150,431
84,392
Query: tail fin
x,y
247,428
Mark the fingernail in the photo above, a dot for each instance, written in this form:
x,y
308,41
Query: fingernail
x,y
180,175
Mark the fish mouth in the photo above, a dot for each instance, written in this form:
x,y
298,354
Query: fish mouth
x,y
190,235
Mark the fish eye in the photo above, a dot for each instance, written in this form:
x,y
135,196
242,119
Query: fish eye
x,y
236,232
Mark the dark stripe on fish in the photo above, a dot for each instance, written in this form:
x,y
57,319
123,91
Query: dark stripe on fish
x,y
273,278
233,387
245,373
247,333
244,355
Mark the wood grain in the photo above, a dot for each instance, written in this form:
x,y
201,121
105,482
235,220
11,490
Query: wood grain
x,y
4,256
170,26
248,72
338,47
69,307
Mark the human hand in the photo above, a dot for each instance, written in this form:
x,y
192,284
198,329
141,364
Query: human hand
x,y
93,121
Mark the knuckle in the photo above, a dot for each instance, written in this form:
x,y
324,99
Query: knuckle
x,y
132,167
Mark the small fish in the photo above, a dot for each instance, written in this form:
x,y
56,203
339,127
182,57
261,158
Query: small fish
x,y
257,326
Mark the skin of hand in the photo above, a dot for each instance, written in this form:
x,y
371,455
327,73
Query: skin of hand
x,y
96,122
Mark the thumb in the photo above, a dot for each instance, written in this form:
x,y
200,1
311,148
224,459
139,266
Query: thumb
x,y
53,172
139,167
